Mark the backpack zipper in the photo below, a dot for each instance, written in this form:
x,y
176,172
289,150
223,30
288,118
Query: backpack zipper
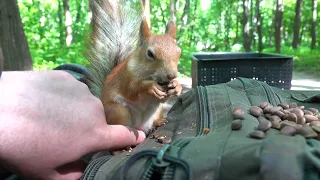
x,y
203,122
93,167
174,148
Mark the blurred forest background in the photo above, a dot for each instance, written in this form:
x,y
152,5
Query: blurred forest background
x,y
56,30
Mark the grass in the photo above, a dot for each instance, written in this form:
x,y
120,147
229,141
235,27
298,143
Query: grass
x,y
304,58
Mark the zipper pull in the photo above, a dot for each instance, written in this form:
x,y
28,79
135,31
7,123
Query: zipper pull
x,y
158,161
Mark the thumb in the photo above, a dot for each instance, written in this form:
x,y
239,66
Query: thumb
x,y
119,136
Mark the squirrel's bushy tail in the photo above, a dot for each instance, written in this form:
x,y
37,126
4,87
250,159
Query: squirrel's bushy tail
x,y
114,35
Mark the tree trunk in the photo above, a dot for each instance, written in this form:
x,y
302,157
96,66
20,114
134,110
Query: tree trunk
x,y
184,18
313,24
193,17
259,25
15,49
252,25
90,5
146,8
177,4
271,28
246,25
77,23
60,22
303,29
41,30
271,35
236,39
172,10
163,16
296,28
68,22
79,12
278,25
228,25
147,11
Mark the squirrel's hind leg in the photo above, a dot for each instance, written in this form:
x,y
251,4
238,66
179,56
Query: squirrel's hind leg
x,y
117,114
161,120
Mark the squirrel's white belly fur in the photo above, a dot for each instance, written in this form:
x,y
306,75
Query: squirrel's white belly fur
x,y
142,114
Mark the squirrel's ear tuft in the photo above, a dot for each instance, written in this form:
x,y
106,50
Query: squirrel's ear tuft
x,y
171,29
145,31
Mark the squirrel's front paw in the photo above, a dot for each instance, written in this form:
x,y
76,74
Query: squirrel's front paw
x,y
175,88
157,91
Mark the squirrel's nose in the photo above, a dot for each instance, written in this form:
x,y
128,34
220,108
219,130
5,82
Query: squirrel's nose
x,y
171,76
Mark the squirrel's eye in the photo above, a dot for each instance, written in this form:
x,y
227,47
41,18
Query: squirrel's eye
x,y
150,54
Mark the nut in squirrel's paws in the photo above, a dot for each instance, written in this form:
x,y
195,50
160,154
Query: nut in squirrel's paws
x,y
174,88
157,91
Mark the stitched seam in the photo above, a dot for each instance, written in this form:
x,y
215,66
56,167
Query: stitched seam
x,y
227,139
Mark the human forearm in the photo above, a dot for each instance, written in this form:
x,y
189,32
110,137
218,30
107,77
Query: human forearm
x,y
48,121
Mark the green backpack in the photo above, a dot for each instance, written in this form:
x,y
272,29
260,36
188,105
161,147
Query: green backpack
x,y
205,147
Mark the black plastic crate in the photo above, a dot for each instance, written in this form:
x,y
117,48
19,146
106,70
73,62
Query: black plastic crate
x,y
214,68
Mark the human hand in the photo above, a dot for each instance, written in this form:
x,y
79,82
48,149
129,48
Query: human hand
x,y
48,121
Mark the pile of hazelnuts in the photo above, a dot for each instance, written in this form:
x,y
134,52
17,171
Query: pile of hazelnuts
x,y
290,119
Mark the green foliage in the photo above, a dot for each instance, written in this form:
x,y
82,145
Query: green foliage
x,y
51,57
305,59
207,26
46,35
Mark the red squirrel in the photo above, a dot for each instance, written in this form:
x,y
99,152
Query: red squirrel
x,y
127,64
